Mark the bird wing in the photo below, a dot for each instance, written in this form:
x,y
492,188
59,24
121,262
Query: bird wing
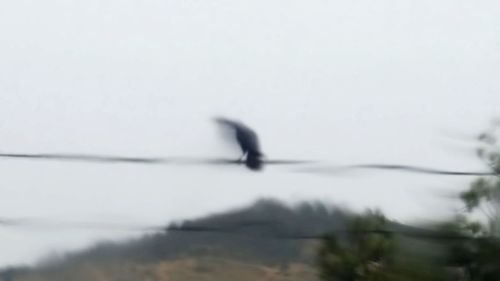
x,y
246,137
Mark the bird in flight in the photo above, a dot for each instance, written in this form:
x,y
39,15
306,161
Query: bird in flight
x,y
247,140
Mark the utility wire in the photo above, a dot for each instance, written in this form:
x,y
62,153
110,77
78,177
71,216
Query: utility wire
x,y
17,223
136,160
45,224
221,161
241,228
333,170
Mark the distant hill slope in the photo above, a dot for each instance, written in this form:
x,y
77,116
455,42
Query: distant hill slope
x,y
265,231
189,269
257,241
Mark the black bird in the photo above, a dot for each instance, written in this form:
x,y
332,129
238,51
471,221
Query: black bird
x,y
247,140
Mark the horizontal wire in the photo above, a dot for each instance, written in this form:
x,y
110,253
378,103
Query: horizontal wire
x,y
50,224
222,161
216,161
236,229
396,167
138,160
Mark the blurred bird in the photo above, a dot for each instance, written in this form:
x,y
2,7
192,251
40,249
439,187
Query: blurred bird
x,y
247,140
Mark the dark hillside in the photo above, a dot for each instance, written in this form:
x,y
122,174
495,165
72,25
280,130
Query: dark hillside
x,y
266,231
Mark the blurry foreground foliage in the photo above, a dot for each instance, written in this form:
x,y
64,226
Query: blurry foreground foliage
x,y
469,248
371,252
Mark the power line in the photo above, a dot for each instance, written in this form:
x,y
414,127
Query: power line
x,y
138,160
38,223
221,161
240,228
396,167
45,224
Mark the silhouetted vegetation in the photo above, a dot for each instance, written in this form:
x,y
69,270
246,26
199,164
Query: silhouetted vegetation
x,y
466,248
372,254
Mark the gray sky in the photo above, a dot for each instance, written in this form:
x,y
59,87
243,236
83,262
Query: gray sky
x,y
340,81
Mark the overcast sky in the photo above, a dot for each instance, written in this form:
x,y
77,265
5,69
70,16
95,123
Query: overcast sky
x,y
340,81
